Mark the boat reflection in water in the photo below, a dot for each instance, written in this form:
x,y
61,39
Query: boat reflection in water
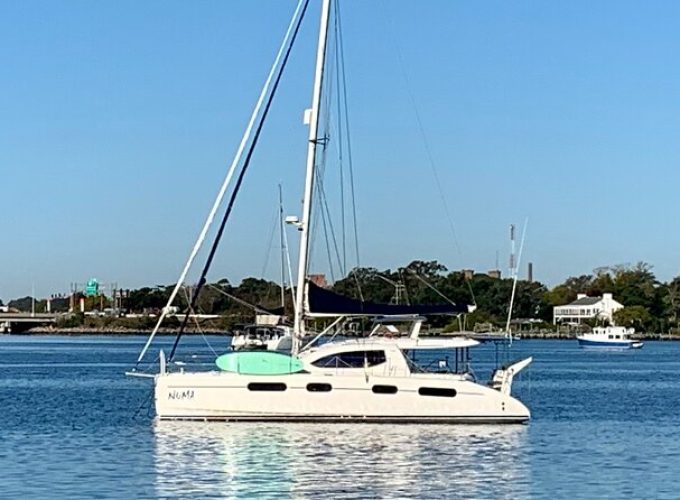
x,y
353,460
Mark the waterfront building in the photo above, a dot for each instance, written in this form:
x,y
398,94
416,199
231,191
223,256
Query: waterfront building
x,y
585,307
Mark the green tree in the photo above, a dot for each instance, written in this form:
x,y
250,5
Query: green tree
x,y
601,283
671,301
636,286
637,317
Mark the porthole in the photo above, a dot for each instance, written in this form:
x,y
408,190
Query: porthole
x,y
437,391
384,389
267,386
319,387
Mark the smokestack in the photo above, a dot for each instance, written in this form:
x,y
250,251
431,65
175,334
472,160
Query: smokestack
x,y
530,272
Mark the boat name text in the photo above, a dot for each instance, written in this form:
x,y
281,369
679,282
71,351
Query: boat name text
x,y
185,394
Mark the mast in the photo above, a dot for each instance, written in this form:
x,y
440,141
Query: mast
x,y
313,116
514,274
283,250
513,265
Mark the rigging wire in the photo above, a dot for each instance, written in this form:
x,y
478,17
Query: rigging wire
x,y
239,301
223,189
270,240
432,287
321,198
335,245
426,145
196,323
220,196
319,172
350,163
270,245
340,141
244,168
326,217
321,166
324,225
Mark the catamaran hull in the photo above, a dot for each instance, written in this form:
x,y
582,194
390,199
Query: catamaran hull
x,y
320,398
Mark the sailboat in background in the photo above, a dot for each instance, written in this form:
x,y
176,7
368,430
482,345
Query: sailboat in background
x,y
373,379
506,336
270,331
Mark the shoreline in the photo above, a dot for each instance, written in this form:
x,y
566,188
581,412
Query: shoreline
x,y
78,331
167,331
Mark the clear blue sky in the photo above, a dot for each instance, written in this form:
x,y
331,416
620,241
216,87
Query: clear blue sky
x,y
118,120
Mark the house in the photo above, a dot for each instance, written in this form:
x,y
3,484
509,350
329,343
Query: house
x,y
585,307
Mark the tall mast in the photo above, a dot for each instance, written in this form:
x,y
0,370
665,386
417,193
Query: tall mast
x,y
313,116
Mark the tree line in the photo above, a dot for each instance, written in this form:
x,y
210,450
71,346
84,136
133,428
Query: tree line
x,y
650,305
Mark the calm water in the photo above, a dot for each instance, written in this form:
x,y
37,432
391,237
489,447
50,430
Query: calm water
x,y
605,426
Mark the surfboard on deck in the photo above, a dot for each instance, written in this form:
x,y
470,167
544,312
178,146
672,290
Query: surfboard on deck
x,y
259,363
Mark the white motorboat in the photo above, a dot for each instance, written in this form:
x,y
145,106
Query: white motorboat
x,y
361,380
617,337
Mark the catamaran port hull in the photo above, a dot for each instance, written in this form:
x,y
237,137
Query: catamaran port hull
x,y
304,397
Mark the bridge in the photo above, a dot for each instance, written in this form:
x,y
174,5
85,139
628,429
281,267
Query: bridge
x,y
19,322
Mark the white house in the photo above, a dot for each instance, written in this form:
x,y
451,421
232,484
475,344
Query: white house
x,y
585,307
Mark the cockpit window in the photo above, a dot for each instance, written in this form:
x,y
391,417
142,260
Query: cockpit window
x,y
352,359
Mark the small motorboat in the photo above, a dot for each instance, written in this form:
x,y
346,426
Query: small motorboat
x,y
618,337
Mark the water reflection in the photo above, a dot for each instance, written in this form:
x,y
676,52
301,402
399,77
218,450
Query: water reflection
x,y
349,461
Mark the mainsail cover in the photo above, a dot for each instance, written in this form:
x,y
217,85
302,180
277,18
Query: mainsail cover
x,y
323,302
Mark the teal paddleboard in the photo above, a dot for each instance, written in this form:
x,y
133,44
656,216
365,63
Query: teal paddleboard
x,y
259,363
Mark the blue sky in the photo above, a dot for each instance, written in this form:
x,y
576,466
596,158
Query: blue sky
x,y
118,121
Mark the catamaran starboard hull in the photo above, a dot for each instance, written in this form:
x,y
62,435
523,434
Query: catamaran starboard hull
x,y
311,398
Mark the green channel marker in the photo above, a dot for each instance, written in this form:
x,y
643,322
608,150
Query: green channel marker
x,y
259,363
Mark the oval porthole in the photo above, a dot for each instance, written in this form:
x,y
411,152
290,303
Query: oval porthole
x,y
319,387
385,389
437,391
267,386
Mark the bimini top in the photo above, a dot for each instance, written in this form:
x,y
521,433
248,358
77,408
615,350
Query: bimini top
x,y
322,302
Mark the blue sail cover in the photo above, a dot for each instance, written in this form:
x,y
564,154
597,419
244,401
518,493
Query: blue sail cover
x,y
325,302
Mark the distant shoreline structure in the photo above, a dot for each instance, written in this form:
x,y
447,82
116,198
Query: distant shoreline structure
x,y
82,331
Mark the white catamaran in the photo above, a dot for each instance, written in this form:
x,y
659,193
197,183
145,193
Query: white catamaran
x,y
372,379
